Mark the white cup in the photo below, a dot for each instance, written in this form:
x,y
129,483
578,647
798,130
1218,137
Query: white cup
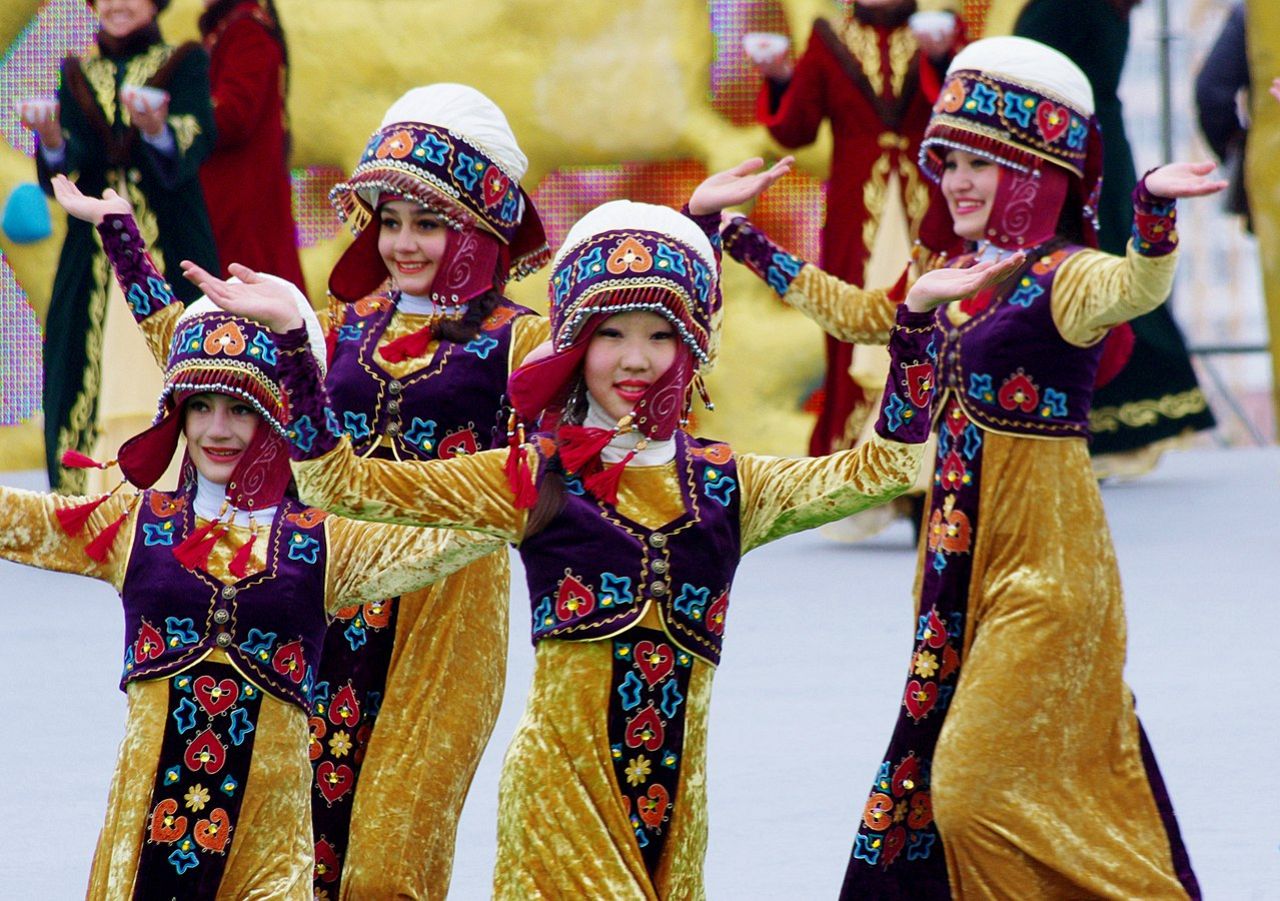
x,y
763,46
937,24
37,110
150,99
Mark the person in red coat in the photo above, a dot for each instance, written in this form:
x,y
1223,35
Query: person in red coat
x,y
867,74
246,177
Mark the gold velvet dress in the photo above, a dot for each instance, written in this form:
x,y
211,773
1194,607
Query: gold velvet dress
x,y
562,829
1039,784
271,855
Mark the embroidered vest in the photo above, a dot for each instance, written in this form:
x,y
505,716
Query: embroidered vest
x,y
271,624
1010,368
452,405
591,572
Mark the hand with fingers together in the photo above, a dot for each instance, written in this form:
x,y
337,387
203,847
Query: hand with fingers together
x,y
737,185
82,206
1176,180
249,294
940,286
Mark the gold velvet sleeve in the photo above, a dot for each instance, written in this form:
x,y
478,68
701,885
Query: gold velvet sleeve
x,y
1095,291
30,534
158,329
372,561
782,495
844,311
527,333
469,492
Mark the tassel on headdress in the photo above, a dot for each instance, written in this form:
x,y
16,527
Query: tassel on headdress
x,y
239,566
100,548
604,484
579,445
194,550
73,459
73,519
408,346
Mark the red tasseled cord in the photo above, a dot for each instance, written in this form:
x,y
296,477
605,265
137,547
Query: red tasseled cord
x,y
579,445
194,551
100,548
73,519
898,293
76,460
240,562
526,492
604,484
405,347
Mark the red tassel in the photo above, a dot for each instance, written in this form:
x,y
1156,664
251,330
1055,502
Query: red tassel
x,y
73,519
898,293
579,445
76,460
194,551
604,484
100,548
240,562
405,347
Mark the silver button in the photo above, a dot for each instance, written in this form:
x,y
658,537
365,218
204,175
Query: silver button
x,y
393,407
394,386
229,592
660,566
657,539
223,639
393,429
659,588
953,335
221,616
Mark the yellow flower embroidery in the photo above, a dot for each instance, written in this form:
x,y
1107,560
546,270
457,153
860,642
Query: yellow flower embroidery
x,y
340,743
638,770
197,797
926,664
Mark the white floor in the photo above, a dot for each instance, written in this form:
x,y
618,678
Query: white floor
x,y
800,717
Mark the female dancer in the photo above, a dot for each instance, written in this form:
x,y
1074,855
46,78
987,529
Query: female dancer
x,y
107,135
629,566
418,371
227,585
1040,784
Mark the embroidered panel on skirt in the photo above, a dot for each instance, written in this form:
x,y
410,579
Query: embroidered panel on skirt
x,y
357,649
646,732
897,852
200,783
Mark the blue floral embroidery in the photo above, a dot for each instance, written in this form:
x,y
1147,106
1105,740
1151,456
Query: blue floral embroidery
x,y
510,206
351,332
355,424
895,411
920,845
630,691
331,422
1055,403
980,388
882,783
573,484
239,726
668,260
467,170
560,283
182,632
259,644
669,759
1026,294
944,696
589,265
1077,135
954,625
432,149
356,634
373,703
182,683
867,847
1019,107
229,786
139,302
542,617
718,486
191,337
783,267
671,699
264,348
248,690
183,860
172,775
982,99
972,440
692,601
615,590
621,650
185,716
420,434
304,548
157,534
303,434
480,346
701,281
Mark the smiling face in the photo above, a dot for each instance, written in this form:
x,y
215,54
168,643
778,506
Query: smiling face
x,y
411,241
969,185
121,18
218,428
627,354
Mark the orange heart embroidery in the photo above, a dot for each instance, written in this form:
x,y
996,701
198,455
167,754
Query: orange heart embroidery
x,y
878,814
716,454
377,614
165,827
214,833
629,255
952,97
164,505
315,747
653,807
397,146
227,339
308,518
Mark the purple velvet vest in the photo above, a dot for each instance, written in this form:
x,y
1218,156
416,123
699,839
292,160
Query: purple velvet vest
x,y
1010,368
270,624
452,405
591,572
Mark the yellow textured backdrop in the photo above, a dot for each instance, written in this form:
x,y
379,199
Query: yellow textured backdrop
x,y
1263,164
583,83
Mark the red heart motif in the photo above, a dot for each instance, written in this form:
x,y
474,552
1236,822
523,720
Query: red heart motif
x,y
1019,392
935,632
227,339
653,807
716,614
629,255
956,533
655,661
150,643
718,454
920,383
950,662
920,698
206,752
893,844
1052,120
288,661
214,833
921,811
1154,228
334,781
498,318
377,614
315,747
878,814
326,861
214,696
458,444
344,709
163,505
165,827
495,186
953,472
956,421
308,518
906,778
645,729
574,599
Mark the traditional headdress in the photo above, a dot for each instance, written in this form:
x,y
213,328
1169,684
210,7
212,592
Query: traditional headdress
x,y
449,148
1029,108
621,257
212,352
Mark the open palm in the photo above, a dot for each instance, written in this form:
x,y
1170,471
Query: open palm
x,y
82,206
269,301
940,286
737,185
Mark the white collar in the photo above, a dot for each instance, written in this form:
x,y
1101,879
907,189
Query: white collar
x,y
655,454
425,306
208,505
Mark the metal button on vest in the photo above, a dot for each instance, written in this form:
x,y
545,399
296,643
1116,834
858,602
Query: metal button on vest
x,y
953,335
393,429
221,616
659,588
393,407
660,566
394,386
229,592
657,539
223,639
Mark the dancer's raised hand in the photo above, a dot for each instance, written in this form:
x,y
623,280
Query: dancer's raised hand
x,y
737,185
1175,180
940,286
265,300
82,206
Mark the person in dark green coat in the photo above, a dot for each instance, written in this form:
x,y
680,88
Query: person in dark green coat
x,y
147,145
1156,396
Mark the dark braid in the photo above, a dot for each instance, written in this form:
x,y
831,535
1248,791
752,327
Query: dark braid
x,y
552,491
468,326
